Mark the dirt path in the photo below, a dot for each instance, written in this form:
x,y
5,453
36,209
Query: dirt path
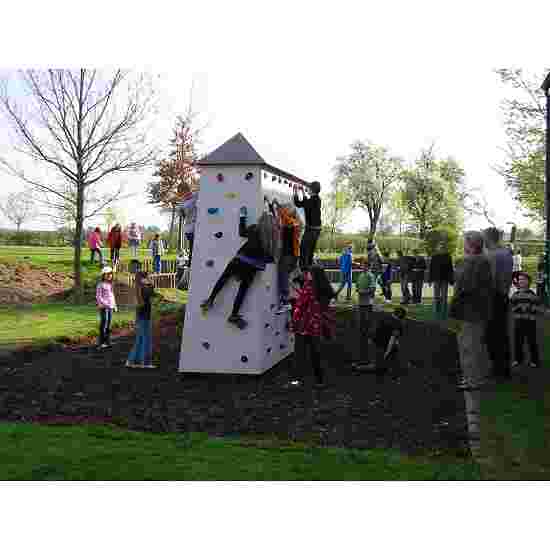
x,y
415,409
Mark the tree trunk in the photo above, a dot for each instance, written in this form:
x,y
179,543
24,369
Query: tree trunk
x,y
171,233
18,227
77,289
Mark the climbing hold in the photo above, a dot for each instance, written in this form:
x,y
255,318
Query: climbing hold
x,y
268,350
266,174
266,325
206,345
272,306
231,195
268,286
218,235
277,333
249,176
209,263
220,177
244,358
282,346
213,210
273,178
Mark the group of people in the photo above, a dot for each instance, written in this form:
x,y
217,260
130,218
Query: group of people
x,y
115,239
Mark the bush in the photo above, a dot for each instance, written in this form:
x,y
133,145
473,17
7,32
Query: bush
x,y
389,245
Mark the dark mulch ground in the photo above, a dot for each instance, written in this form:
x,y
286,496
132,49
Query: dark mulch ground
x,y
416,409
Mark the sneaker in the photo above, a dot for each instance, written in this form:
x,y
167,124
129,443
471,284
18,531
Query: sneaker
x,y
283,308
515,365
103,346
533,365
150,366
238,321
387,300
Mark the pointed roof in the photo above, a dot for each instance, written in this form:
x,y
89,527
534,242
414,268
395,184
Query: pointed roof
x,y
236,150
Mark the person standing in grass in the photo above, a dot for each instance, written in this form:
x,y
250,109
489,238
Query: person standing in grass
x,y
441,274
157,250
526,305
95,244
418,273
384,279
115,243
366,288
134,238
142,353
346,262
312,319
106,304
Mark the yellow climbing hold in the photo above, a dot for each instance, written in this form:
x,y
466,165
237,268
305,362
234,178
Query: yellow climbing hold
x,y
231,195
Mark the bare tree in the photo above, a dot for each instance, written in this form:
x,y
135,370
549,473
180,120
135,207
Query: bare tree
x,y
84,124
19,208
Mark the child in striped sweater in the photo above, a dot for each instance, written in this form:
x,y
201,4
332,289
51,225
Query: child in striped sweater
x,y
525,305
106,304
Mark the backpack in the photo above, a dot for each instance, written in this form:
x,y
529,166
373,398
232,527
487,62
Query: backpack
x,y
269,231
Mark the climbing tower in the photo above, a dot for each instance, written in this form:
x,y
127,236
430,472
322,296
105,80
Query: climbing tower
x,y
232,176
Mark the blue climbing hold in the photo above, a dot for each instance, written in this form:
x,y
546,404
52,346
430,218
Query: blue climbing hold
x,y
249,176
213,210
218,235
209,263
220,177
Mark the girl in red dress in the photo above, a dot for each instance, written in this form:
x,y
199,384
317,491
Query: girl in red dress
x,y
312,320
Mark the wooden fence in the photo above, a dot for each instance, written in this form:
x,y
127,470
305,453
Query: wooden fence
x,y
166,266
160,280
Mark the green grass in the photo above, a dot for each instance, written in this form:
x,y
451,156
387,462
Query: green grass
x,y
40,324
33,452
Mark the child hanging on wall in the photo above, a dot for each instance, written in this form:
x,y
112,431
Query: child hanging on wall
x,y
312,319
189,207
312,210
346,262
526,306
250,259
386,339
290,251
106,304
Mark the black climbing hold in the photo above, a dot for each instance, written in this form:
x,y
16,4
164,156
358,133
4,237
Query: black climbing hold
x,y
209,263
206,345
266,325
220,177
268,350
213,210
272,306
244,358
273,178
249,176
282,346
277,333
218,235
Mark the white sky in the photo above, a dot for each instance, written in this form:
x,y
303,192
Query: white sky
x,y
302,80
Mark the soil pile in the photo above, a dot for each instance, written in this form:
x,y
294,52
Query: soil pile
x,y
23,283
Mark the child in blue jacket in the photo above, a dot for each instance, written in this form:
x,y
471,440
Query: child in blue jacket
x,y
345,262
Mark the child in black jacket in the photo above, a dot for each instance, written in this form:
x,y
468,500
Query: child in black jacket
x,y
250,259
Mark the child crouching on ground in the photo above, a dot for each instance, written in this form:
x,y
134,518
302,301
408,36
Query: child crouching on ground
x,y
525,305
106,303
386,338
311,318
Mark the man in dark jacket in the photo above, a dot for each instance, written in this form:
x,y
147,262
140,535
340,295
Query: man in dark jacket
x,y
312,210
418,272
441,274
405,270
498,338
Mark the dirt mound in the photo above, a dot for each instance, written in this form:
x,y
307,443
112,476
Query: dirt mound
x,y
23,284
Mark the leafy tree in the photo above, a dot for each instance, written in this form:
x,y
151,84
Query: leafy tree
x,y
177,174
18,208
336,206
445,237
84,126
432,192
369,173
524,122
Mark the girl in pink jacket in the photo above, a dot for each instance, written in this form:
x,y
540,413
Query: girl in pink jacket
x,y
106,304
95,244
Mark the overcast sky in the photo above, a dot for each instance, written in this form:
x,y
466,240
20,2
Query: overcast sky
x,y
302,80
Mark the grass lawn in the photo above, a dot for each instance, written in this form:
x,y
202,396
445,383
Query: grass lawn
x,y
39,324
33,452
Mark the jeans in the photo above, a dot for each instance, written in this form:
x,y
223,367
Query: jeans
x,y
303,344
418,284
405,292
286,266
191,239
106,316
526,330
473,353
95,251
441,292
346,281
142,352
386,290
307,246
133,244
498,340
115,255
156,264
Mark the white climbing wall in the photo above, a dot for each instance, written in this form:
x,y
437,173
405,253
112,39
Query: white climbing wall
x,y
210,344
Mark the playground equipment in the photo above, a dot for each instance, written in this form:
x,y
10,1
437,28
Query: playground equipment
x,y
233,176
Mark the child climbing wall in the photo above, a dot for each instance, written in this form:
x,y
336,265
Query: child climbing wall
x,y
210,343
